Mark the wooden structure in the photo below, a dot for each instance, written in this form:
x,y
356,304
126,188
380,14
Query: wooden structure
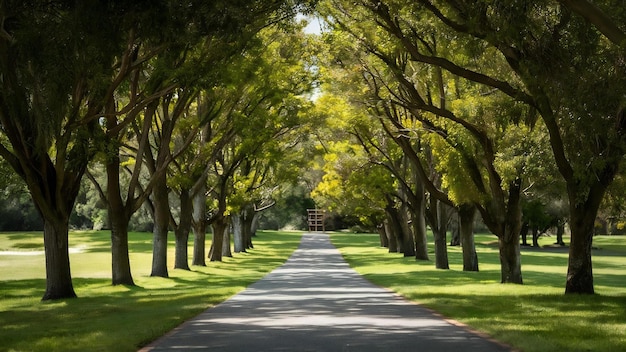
x,y
316,220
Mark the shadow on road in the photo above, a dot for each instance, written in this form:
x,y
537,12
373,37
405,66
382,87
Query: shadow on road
x,y
316,302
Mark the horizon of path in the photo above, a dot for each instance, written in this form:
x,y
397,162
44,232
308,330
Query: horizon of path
x,y
316,302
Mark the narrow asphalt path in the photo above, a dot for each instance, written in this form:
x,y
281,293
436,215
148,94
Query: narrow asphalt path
x,y
316,302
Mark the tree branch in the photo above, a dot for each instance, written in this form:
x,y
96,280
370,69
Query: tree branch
x,y
598,19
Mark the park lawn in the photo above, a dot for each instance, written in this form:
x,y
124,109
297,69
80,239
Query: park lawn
x,y
117,318
536,316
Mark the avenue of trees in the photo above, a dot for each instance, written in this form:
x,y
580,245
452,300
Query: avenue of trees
x,y
157,103
498,109
187,116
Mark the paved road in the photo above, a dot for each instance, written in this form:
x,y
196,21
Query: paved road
x,y
316,302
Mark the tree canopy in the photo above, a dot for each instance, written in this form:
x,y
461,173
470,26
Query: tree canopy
x,y
396,116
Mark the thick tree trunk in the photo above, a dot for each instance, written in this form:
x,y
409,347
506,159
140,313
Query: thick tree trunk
x,y
504,219
119,219
384,241
419,230
441,249
408,238
439,232
199,228
248,226
54,201
238,232
120,260
219,226
419,220
395,228
579,268
509,239
510,260
181,254
467,212
56,245
226,251
182,231
391,237
161,227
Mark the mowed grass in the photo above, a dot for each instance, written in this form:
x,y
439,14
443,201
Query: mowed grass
x,y
536,316
117,318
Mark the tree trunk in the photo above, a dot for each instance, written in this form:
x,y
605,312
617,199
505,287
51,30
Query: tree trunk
x,y
219,226
509,239
56,245
161,227
199,227
456,234
504,219
254,225
396,229
419,230
579,268
226,252
439,232
253,218
120,260
419,219
467,212
391,237
160,194
119,219
441,249
181,253
238,235
408,239
247,226
510,259
54,201
182,231
524,233
560,230
535,236
384,241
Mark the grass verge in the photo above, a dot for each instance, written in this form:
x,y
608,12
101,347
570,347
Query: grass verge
x,y
536,316
116,318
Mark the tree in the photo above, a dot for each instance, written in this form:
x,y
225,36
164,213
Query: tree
x,y
359,120
567,61
282,80
218,39
472,122
55,88
119,122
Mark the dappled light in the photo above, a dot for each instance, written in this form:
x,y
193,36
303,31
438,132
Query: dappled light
x,y
159,157
316,302
535,316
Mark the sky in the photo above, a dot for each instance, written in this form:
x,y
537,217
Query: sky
x,y
314,26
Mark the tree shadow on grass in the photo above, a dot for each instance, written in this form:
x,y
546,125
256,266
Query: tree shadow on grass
x,y
106,310
589,322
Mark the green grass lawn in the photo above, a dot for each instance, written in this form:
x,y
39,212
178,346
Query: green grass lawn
x,y
536,316
116,318
533,317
